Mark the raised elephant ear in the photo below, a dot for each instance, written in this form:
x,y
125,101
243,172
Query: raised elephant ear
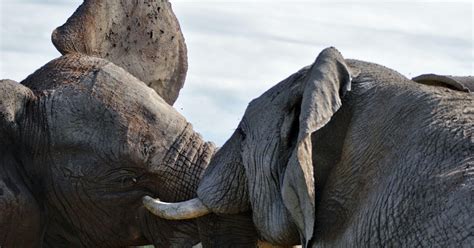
x,y
143,37
20,215
325,83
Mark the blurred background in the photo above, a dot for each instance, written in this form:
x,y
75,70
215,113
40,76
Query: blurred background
x,y
239,49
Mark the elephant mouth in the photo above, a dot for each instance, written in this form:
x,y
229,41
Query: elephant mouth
x,y
190,209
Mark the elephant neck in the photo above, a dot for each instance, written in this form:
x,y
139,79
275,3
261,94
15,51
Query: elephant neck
x,y
184,164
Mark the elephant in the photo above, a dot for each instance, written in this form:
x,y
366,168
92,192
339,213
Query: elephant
x,y
86,136
82,141
347,153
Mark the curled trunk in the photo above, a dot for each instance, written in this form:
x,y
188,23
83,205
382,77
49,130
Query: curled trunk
x,y
143,37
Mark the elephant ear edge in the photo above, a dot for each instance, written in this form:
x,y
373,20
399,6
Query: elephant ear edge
x,y
327,80
13,100
21,222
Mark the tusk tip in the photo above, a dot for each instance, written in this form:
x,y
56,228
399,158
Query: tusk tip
x,y
175,211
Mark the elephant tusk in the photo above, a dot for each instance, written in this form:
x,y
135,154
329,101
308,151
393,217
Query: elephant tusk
x,y
176,211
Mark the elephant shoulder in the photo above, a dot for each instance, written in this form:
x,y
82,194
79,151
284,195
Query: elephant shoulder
x,y
461,83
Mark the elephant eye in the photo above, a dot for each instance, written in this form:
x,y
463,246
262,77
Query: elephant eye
x,y
243,127
241,132
126,180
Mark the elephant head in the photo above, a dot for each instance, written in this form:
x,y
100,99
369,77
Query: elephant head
x,y
267,164
322,168
84,138
82,141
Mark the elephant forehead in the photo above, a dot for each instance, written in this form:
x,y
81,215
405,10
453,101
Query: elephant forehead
x,y
93,76
78,120
92,102
146,116
66,70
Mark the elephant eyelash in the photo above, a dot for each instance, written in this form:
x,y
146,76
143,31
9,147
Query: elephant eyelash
x,y
123,177
127,180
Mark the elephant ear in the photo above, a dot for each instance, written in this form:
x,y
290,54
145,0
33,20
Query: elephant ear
x,y
325,83
20,215
143,37
13,97
465,83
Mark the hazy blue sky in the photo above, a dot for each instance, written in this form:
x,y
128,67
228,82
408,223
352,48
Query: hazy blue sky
x,y
239,49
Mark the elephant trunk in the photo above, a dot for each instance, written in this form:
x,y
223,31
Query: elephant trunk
x,y
176,211
184,162
180,167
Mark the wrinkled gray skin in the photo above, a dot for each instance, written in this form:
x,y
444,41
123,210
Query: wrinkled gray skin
x,y
387,164
82,141
143,37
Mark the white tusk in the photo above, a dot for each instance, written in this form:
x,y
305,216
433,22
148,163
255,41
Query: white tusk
x,y
176,211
